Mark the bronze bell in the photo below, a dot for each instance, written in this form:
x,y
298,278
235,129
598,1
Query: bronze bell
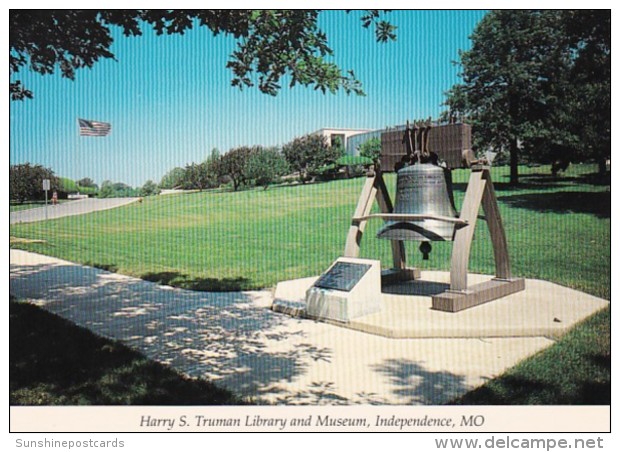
x,y
421,189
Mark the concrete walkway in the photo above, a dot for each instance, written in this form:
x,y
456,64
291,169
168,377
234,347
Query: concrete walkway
x,y
235,340
69,208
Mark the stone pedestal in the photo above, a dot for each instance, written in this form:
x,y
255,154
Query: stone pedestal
x,y
349,289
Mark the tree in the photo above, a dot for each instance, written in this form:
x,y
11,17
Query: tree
x,y
510,86
589,38
149,188
199,176
371,149
86,182
26,182
538,84
264,166
234,165
271,44
67,186
116,190
173,179
308,153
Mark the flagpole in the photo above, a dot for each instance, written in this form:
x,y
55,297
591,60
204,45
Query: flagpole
x,y
77,148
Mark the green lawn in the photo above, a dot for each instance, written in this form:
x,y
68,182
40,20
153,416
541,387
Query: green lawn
x,y
54,362
557,229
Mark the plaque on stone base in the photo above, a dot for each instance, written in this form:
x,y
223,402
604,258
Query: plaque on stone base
x,y
350,288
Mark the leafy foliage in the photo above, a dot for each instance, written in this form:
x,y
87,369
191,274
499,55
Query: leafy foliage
x,y
528,84
308,153
272,44
87,186
68,185
199,176
371,149
589,36
173,179
117,190
234,165
86,182
149,188
264,166
26,182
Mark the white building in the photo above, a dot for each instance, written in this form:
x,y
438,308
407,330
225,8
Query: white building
x,y
351,139
344,135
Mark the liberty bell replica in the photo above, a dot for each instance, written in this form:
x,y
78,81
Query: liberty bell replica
x,y
423,211
423,188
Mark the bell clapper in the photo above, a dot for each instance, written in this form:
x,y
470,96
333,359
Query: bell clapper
x,y
425,249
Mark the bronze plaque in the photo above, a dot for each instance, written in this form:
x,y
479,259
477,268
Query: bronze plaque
x,y
342,276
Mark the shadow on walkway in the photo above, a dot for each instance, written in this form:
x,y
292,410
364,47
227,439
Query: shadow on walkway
x,y
220,336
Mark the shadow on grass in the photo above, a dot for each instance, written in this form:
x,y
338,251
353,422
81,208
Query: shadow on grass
x,y
595,203
544,181
107,267
176,279
520,391
54,362
522,186
589,179
596,179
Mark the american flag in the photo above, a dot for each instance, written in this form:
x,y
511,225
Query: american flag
x,y
94,128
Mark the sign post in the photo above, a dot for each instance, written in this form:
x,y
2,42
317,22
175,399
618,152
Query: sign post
x,y
46,187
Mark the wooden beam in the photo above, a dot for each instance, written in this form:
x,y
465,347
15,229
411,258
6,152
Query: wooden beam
x,y
364,205
464,236
496,229
412,217
451,301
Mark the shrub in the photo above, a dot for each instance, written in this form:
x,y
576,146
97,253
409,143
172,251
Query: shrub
x,y
149,188
371,149
264,166
68,186
200,176
173,179
354,165
26,182
309,153
86,182
116,190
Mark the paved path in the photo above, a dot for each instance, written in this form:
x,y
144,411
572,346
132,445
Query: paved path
x,y
69,208
235,340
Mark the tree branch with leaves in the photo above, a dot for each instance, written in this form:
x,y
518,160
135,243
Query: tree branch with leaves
x,y
273,45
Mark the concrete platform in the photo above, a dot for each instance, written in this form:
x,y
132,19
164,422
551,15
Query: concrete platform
x,y
237,341
543,309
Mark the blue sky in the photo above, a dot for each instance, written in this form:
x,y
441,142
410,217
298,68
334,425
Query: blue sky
x,y
170,102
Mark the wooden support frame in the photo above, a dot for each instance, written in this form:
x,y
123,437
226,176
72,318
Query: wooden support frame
x,y
375,189
480,192
460,296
